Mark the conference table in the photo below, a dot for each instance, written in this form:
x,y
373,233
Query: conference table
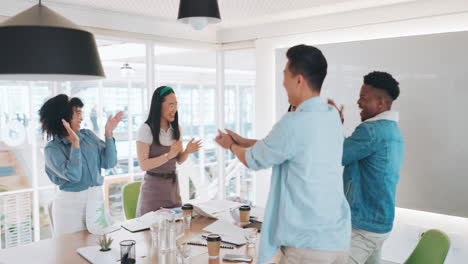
x,y
62,249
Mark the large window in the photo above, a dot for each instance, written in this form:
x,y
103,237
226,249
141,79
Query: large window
x,y
192,74
238,117
25,189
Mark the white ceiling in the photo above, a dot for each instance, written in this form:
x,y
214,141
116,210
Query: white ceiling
x,y
234,13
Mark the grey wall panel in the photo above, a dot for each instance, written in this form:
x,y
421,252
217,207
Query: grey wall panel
x,y
433,75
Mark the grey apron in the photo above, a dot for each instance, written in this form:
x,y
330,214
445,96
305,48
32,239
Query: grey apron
x,y
160,187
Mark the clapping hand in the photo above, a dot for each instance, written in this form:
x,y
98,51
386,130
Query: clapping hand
x,y
236,137
176,148
193,146
340,110
73,137
224,140
112,123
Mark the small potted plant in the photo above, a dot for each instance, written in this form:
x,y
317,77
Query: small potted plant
x,y
105,243
105,255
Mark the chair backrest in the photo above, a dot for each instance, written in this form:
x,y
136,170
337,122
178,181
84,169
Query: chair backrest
x,y
130,193
432,248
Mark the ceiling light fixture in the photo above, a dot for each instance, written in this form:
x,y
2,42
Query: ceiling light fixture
x,y
199,13
39,44
127,71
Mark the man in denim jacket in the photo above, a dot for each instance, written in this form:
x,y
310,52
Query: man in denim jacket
x,y
372,157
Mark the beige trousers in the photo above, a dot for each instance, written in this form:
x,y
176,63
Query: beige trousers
x,y
366,247
291,255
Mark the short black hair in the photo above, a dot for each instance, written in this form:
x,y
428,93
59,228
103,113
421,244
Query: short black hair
x,y
310,63
383,81
52,112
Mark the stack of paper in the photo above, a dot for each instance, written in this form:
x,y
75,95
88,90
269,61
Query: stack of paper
x,y
145,221
140,223
215,208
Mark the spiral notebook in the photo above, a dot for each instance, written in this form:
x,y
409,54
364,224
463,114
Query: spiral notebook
x,y
201,241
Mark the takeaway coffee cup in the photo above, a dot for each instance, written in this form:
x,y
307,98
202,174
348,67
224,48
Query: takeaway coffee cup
x,y
214,245
187,209
244,213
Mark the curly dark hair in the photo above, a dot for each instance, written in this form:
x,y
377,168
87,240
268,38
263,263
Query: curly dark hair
x,y
52,112
383,81
310,62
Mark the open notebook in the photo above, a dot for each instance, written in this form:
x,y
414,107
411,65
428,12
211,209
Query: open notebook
x,y
201,241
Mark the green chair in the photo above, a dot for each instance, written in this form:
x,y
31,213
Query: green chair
x,y
130,193
432,248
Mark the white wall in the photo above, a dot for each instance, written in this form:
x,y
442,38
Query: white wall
x,y
408,223
265,49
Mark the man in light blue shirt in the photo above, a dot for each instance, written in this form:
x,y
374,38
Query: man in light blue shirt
x,y
307,215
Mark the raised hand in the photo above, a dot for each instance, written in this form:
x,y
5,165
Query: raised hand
x,y
193,146
74,139
112,123
340,110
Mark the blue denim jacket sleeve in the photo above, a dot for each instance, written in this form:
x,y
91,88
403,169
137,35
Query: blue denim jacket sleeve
x,y
107,151
272,150
359,145
61,168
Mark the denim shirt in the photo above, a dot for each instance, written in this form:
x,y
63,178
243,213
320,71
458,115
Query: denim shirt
x,y
306,205
77,169
372,157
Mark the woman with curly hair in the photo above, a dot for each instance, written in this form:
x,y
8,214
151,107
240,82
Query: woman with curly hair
x,y
73,160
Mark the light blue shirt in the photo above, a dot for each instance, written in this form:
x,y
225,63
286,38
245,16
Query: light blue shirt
x,y
306,205
77,169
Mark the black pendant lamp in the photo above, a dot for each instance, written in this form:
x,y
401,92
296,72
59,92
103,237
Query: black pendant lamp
x,y
39,44
199,13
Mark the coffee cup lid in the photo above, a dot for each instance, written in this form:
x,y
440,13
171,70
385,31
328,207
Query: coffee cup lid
x,y
187,207
244,208
213,238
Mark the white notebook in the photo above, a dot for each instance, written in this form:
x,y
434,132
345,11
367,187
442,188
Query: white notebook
x,y
144,222
140,223
229,233
91,253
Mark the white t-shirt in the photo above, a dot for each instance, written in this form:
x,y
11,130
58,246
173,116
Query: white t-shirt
x,y
145,135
